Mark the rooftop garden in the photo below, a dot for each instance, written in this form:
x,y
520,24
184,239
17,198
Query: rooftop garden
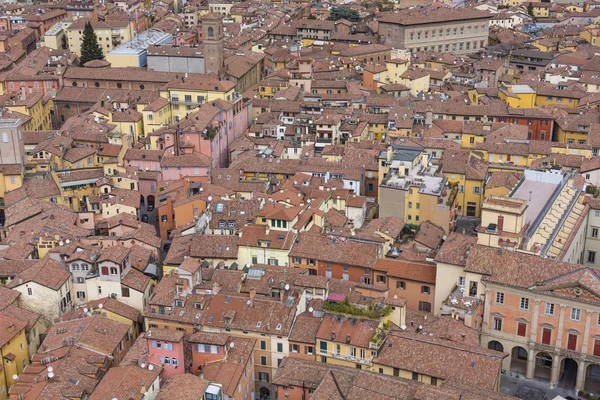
x,y
344,307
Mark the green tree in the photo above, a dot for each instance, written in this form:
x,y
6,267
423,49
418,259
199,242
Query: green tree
x,y
337,13
90,49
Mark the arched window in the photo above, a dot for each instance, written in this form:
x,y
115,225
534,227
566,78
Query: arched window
x,y
210,31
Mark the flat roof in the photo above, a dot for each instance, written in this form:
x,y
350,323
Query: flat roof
x,y
141,42
537,194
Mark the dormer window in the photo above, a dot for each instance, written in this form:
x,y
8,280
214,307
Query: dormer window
x,y
178,303
231,224
198,306
222,224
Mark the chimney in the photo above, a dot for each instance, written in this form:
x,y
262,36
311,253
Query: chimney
x,y
23,95
215,288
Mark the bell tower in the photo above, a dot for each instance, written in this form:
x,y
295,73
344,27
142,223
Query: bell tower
x,y
213,38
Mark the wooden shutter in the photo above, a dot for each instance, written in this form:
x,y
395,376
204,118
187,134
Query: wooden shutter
x,y
546,335
104,270
572,343
597,348
521,328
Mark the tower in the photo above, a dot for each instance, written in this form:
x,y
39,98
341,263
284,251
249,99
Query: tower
x,y
212,38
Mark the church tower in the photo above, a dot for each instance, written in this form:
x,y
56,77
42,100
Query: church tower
x,y
213,38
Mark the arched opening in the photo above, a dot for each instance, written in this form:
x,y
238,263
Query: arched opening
x,y
105,190
142,201
518,360
150,199
543,366
494,345
568,373
265,394
211,32
592,379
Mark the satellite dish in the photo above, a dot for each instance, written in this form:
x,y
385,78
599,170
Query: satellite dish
x,y
150,367
50,375
403,327
15,376
100,305
248,301
209,198
143,365
50,369
68,241
85,310
61,243
232,345
310,309
287,286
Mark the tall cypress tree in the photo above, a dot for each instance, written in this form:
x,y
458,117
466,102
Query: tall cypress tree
x,y
90,49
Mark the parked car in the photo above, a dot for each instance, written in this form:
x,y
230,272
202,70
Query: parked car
x,y
145,218
150,207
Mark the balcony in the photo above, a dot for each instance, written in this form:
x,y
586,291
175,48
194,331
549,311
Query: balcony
x,y
349,358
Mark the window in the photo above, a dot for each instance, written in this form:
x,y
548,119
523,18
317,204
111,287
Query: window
x,y
521,328
124,291
400,285
524,303
500,298
592,257
424,306
263,376
497,324
263,360
280,347
572,342
295,348
549,308
29,291
476,189
309,350
323,347
575,314
546,335
296,260
381,278
425,290
415,376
